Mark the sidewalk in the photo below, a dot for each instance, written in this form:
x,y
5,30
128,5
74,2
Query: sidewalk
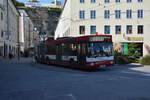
x,y
15,60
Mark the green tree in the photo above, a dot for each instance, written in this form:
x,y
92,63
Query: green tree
x,y
133,52
145,60
18,3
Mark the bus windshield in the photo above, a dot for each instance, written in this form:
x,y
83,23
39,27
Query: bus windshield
x,y
99,49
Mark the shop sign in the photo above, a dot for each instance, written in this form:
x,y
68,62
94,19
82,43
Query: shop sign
x,y
135,38
125,48
99,38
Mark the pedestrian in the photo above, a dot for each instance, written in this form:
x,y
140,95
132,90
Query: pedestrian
x,y
10,56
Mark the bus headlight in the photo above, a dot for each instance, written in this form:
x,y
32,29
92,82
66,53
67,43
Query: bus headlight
x,y
92,64
111,62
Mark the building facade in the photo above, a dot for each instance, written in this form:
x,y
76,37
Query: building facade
x,y
11,28
126,20
26,31
1,28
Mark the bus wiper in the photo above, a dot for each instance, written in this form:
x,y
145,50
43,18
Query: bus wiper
x,y
106,54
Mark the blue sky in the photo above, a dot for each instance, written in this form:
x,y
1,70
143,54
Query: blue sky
x,y
41,0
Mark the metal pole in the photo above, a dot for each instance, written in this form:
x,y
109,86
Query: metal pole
x,y
29,32
7,24
18,39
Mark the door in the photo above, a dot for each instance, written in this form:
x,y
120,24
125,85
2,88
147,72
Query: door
x,y
82,54
58,54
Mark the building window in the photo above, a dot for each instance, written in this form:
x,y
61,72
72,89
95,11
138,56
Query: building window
x,y
2,33
82,12
93,1
106,14
117,1
140,13
118,29
128,1
106,1
1,16
107,29
129,29
93,14
118,14
129,14
93,29
140,0
82,29
140,29
81,1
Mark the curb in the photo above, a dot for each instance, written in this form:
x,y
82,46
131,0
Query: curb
x,y
15,61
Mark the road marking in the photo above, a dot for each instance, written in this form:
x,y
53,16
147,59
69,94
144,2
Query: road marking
x,y
146,74
63,97
138,73
123,77
79,75
120,78
72,96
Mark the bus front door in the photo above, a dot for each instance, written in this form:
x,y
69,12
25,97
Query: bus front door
x,y
82,55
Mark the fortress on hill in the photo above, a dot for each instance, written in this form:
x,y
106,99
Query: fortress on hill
x,y
36,3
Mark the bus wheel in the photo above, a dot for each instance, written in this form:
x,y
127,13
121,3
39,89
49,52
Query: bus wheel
x,y
72,63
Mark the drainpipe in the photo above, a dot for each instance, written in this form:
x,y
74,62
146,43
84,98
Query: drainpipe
x,y
7,32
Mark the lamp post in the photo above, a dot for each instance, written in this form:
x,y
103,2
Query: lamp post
x,y
18,40
7,25
35,32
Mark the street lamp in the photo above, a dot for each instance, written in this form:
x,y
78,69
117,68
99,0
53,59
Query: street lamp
x,y
18,40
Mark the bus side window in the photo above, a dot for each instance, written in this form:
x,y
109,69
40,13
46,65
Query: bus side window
x,y
51,48
79,48
73,49
84,49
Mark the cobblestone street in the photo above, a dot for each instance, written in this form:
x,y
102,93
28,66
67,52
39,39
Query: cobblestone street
x,y
30,81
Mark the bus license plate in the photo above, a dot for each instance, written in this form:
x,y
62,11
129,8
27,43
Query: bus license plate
x,y
102,66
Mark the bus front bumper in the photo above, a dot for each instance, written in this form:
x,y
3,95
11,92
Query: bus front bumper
x,y
100,64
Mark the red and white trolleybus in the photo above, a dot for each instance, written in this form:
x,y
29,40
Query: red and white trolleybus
x,y
86,52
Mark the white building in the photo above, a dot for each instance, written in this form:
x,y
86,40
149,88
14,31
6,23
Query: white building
x,y
12,28
55,4
26,31
126,20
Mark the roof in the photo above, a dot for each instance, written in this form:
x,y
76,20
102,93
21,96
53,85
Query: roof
x,y
15,7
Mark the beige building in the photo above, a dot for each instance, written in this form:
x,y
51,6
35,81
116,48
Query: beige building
x,y
126,20
26,31
11,28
